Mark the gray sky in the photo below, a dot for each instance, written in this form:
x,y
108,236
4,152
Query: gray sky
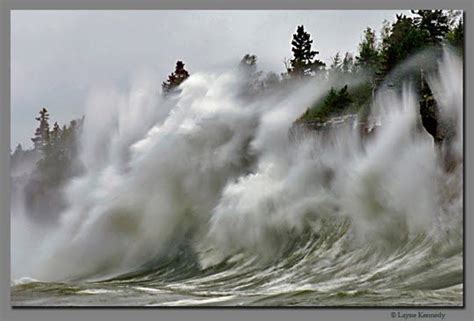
x,y
58,56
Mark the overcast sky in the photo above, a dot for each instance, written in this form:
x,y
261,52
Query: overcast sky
x,y
58,56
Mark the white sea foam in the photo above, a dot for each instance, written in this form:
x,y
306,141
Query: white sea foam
x,y
224,171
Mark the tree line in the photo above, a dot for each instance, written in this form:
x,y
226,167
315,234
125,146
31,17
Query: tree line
x,y
377,57
55,151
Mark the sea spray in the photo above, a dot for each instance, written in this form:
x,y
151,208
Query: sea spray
x,y
224,175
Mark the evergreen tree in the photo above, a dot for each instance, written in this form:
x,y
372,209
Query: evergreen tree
x,y
253,84
55,154
56,148
434,22
57,161
303,62
368,57
340,66
248,64
336,64
41,138
403,40
68,139
55,133
337,101
455,37
347,63
175,79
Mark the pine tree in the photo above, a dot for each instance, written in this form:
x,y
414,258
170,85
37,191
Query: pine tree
x,y
337,101
303,62
347,63
181,74
368,57
55,133
434,22
248,64
336,64
56,149
175,79
455,36
403,39
41,138
342,66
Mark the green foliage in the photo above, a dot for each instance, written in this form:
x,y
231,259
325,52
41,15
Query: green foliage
x,y
347,63
59,154
362,93
336,102
434,22
175,79
303,62
340,67
455,37
404,39
56,153
57,148
41,138
336,64
400,40
369,55
362,96
248,64
407,36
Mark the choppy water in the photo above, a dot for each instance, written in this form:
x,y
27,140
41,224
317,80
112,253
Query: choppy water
x,y
319,272
208,201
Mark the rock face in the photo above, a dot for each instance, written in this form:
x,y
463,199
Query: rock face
x,y
333,122
365,129
429,117
443,131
